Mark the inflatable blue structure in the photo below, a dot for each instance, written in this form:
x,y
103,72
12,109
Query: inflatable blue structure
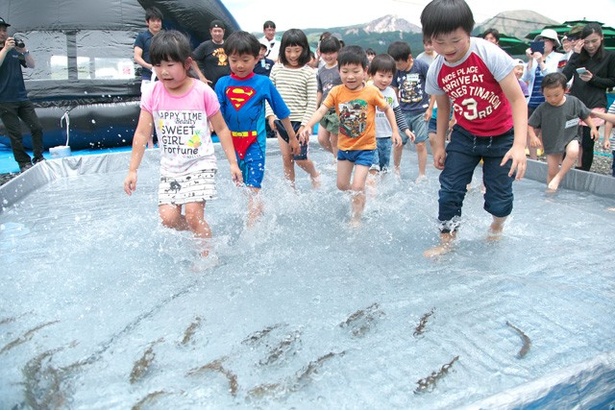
x,y
86,83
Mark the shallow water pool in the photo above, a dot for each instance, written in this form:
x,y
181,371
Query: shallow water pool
x,y
103,308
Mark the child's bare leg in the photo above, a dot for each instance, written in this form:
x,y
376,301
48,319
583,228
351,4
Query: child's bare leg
x,y
308,166
572,153
446,244
553,161
421,152
255,206
324,139
358,196
333,139
171,217
397,152
195,218
287,161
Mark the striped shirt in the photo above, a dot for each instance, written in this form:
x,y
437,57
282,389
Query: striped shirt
x,y
298,90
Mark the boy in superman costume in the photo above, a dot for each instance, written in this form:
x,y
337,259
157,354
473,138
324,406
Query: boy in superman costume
x,y
242,97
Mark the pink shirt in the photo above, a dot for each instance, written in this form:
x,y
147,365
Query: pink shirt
x,y
182,127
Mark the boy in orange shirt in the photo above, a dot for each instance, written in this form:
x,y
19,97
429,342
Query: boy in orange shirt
x,y
355,104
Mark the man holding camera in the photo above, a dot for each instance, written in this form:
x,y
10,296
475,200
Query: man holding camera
x,y
14,102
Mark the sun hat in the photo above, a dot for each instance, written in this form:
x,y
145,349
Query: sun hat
x,y
548,34
3,22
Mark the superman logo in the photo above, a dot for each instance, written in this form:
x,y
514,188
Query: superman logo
x,y
239,95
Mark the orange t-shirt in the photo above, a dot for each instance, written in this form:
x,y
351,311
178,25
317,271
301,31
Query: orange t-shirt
x,y
357,114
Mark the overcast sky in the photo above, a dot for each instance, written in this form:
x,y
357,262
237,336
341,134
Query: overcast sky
x,y
251,14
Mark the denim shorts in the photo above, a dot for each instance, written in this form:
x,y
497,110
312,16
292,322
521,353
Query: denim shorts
x,y
382,154
303,155
359,157
431,127
418,125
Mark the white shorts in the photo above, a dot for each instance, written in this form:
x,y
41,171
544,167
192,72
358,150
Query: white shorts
x,y
190,188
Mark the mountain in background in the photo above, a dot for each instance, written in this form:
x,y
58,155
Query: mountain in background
x,y
517,23
379,33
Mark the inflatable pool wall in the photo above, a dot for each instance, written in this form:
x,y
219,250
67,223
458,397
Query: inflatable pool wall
x,y
85,71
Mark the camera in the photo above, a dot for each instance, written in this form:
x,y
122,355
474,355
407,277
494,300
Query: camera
x,y
19,43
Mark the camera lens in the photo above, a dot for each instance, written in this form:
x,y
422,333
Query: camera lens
x,y
19,43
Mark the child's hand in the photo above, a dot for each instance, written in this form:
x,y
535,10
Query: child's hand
x,y
236,175
519,161
130,182
595,134
303,135
607,144
295,148
410,135
396,139
535,142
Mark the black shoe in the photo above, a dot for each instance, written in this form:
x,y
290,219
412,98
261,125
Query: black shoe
x,y
24,167
37,160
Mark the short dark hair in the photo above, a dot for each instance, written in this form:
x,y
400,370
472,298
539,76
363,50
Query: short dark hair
x,y
352,55
170,45
494,32
370,51
553,80
446,16
295,37
330,45
242,42
268,24
383,63
399,50
153,13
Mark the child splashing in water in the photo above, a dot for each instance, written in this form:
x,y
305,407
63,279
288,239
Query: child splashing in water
x,y
491,113
355,103
296,82
181,107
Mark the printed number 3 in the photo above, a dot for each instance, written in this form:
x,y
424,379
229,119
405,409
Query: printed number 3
x,y
470,108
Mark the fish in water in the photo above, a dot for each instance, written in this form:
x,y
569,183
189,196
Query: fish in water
x,y
420,329
428,383
527,343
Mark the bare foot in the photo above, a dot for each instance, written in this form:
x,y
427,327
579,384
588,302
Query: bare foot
x,y
553,185
355,222
316,182
495,230
420,178
445,246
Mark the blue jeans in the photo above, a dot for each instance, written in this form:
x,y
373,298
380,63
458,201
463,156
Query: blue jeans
x,y
463,154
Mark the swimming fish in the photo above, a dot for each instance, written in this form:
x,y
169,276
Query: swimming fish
x,y
527,343
428,383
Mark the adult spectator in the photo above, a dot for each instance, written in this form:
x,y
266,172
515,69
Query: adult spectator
x,y
209,59
593,70
14,101
153,21
269,40
539,64
492,35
